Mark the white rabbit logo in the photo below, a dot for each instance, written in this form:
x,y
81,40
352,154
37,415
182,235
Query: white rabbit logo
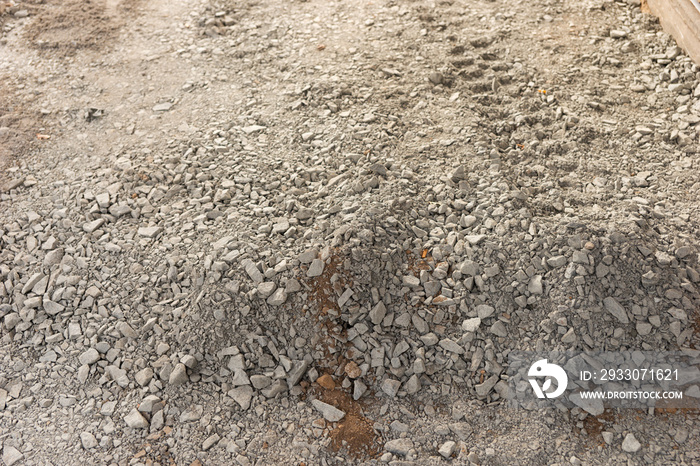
x,y
542,368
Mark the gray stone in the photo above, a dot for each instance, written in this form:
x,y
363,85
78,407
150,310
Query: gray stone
x,y
83,373
683,251
304,213
413,385
88,440
475,239
616,309
429,339
53,257
580,257
280,228
33,302
644,328
119,210
118,375
193,413
102,200
242,395
146,405
398,426
535,285
108,408
52,308
179,375
266,288
391,387
483,389
90,356
377,314
252,129
315,269
462,430
277,298
275,388
135,420
492,270
162,107
471,325
358,390
484,311
74,330
11,320
89,227
210,441
149,232
451,346
308,256
329,412
608,437
556,261
67,400
259,381
33,280
432,287
252,270
297,372
400,446
447,449
458,174
469,268
11,455
617,34
630,444
157,421
499,329
411,280
126,330
144,376
569,336
189,361
293,286
681,435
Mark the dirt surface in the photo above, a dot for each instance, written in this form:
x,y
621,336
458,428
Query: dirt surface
x,y
213,213
68,26
15,134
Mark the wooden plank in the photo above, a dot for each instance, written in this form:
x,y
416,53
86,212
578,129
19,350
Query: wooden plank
x,y
681,19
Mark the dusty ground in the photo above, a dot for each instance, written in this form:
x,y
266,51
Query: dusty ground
x,y
256,130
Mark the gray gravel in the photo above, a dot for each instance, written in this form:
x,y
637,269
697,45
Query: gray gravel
x,y
301,224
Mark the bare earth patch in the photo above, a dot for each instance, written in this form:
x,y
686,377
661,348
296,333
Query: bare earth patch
x,y
16,138
76,24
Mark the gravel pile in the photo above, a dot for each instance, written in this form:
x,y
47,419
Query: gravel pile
x,y
335,268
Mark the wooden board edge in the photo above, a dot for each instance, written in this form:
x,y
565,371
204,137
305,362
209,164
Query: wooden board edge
x,y
680,19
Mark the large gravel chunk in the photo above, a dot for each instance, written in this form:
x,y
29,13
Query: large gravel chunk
x,y
616,309
330,412
315,269
630,444
400,446
135,420
90,356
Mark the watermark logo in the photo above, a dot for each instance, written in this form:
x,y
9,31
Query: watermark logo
x,y
543,369
594,381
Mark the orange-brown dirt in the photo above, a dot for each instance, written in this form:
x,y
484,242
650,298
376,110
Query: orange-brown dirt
x,y
354,434
323,297
595,425
645,7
